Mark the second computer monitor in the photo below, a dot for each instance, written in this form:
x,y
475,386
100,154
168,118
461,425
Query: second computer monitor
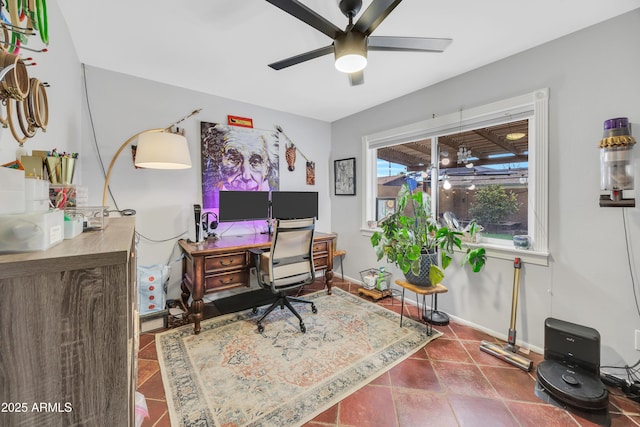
x,y
294,204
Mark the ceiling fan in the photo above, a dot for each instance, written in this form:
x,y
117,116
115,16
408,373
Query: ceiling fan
x,y
350,46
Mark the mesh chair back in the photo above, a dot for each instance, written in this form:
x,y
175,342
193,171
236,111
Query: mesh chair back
x,y
291,256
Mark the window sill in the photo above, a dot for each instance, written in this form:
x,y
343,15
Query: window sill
x,y
528,256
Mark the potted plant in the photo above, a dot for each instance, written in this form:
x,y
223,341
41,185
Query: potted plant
x,y
411,237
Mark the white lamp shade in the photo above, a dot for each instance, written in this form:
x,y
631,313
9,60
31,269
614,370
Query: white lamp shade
x,y
351,63
350,50
162,150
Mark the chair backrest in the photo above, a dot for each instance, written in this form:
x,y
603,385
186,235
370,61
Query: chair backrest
x,y
291,258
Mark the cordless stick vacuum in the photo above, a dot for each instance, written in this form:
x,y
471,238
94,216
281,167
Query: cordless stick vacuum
x,y
508,352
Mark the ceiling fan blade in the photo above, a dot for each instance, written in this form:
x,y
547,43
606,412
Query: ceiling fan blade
x,y
415,44
308,16
356,78
302,57
377,11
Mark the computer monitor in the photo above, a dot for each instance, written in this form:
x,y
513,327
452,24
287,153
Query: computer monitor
x,y
294,204
243,206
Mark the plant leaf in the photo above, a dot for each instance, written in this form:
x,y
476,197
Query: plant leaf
x,y
415,268
413,252
446,260
435,274
404,265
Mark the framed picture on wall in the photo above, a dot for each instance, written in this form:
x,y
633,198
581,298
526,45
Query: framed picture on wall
x,y
385,206
345,176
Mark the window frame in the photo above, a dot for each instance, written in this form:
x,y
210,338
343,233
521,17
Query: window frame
x,y
534,106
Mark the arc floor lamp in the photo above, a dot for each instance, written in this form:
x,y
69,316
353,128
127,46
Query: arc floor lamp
x,y
157,149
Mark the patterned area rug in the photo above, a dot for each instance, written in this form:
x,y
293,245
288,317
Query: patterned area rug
x,y
231,375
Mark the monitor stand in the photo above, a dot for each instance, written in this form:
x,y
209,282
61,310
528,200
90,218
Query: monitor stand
x,y
269,228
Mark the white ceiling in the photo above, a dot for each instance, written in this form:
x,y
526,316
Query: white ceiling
x,y
222,47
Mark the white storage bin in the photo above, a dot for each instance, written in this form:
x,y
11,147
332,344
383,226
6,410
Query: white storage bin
x,y
93,216
36,205
31,232
36,189
73,227
11,191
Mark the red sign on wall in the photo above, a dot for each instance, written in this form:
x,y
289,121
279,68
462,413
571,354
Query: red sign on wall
x,y
240,121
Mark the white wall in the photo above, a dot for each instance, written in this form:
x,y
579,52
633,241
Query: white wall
x,y
123,105
592,75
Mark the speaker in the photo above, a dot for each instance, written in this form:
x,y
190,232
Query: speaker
x,y
197,211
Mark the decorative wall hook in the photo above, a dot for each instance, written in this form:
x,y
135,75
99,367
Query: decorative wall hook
x,y
290,156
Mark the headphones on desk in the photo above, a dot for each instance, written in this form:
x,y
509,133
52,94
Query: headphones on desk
x,y
209,223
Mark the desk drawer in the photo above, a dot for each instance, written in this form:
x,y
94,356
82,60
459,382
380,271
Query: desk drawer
x,y
225,262
223,281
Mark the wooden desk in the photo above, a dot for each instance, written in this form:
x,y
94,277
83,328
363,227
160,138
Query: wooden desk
x,y
225,263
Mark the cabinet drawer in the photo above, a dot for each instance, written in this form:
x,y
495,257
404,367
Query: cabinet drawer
x,y
222,281
320,247
225,262
320,263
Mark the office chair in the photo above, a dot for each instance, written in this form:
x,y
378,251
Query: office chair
x,y
288,265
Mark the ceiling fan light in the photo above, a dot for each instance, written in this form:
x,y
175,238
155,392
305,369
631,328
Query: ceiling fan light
x,y
514,136
350,52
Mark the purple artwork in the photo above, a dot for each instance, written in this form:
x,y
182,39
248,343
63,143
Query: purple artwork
x,y
238,159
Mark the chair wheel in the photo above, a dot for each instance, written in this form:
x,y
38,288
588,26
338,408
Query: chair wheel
x,y
255,310
260,328
314,310
303,328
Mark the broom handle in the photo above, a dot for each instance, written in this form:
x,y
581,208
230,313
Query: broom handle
x,y
517,264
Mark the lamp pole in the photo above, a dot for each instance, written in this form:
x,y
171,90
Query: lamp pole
x,y
113,161
128,141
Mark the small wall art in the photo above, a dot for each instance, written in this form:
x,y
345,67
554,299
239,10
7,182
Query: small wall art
x,y
345,177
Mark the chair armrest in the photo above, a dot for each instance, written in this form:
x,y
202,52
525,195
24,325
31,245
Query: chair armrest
x,y
255,253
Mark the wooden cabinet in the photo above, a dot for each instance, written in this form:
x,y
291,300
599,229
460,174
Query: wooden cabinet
x,y
68,325
225,263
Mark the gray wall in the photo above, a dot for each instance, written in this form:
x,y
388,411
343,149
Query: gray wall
x,y
123,105
592,75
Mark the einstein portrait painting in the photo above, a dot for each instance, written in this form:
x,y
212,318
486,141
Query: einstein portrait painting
x,y
237,159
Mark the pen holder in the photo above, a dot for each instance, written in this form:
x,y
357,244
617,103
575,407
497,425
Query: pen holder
x,y
67,168
54,168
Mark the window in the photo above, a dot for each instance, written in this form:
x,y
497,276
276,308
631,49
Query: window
x,y
483,169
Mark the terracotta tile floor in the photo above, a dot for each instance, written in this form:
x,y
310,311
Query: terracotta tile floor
x,y
449,382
